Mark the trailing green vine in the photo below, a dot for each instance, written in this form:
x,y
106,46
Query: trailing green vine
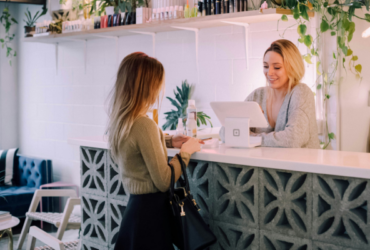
x,y
336,18
7,20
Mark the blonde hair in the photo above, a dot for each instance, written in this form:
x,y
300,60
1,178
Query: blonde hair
x,y
137,88
292,58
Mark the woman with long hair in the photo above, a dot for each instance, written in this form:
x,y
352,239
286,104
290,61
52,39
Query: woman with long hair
x,y
138,146
287,104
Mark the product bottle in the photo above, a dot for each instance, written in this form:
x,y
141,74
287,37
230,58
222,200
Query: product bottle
x,y
180,128
191,122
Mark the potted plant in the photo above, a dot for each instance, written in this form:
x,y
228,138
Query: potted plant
x,y
182,95
30,22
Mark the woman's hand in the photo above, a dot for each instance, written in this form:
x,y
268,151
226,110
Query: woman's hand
x,y
191,146
178,140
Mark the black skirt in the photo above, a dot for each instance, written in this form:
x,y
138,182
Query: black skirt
x,y
146,223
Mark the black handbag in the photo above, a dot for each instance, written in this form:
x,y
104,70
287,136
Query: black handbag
x,y
189,231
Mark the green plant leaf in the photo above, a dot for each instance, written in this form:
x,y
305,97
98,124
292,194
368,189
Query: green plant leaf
x,y
333,33
351,30
331,136
317,68
304,14
349,52
291,3
319,86
327,96
284,18
326,4
358,68
1,40
351,12
345,50
354,58
307,58
367,17
324,26
308,40
345,24
302,28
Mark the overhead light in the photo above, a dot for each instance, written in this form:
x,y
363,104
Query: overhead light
x,y
366,33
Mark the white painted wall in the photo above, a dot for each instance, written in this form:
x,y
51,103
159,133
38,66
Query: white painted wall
x,y
8,90
54,107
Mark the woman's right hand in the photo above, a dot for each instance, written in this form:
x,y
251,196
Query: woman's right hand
x,y
191,146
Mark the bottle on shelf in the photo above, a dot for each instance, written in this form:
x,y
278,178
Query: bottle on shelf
x,y
191,122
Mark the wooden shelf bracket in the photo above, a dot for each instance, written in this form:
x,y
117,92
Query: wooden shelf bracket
x,y
246,38
153,34
196,31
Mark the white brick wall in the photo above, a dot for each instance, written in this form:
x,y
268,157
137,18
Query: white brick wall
x,y
54,107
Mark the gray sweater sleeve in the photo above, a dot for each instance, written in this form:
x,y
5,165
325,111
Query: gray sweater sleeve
x,y
296,133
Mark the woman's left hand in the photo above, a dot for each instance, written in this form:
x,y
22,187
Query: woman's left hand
x,y
178,140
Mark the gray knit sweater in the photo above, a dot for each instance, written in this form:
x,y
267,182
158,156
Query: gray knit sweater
x,y
296,125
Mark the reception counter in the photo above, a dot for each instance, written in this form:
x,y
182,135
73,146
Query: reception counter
x,y
261,198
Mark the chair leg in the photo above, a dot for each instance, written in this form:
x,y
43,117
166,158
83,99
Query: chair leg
x,y
25,229
31,243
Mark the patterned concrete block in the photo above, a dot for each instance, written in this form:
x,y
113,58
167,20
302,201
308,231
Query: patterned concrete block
x,y
236,194
116,208
316,245
94,171
275,241
88,245
234,237
116,190
201,185
95,219
285,203
341,212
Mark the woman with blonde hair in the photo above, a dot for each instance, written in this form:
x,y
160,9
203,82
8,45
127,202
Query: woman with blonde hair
x,y
287,104
138,146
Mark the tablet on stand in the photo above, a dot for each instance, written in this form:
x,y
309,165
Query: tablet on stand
x,y
238,118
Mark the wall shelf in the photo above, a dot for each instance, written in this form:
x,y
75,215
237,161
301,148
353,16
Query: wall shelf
x,y
247,17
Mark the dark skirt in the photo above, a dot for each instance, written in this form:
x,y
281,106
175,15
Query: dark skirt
x,y
146,223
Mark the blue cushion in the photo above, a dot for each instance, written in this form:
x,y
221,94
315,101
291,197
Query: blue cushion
x,y
16,200
32,172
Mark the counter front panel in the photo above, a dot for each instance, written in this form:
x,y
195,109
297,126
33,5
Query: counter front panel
x,y
247,207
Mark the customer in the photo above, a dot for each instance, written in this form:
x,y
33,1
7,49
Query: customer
x,y
288,104
139,148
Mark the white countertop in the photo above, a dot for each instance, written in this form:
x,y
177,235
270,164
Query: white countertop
x,y
342,163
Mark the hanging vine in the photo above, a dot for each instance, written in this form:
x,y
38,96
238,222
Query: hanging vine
x,y
6,42
336,18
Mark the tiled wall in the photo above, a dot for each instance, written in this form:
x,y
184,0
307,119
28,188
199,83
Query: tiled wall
x,y
70,102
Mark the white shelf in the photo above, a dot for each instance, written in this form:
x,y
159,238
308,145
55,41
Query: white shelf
x,y
170,25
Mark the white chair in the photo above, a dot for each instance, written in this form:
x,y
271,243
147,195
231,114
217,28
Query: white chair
x,y
61,220
52,242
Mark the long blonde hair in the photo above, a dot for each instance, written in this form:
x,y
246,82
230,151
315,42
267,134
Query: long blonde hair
x,y
292,58
139,83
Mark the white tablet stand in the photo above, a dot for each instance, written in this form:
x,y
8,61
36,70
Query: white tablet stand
x,y
238,118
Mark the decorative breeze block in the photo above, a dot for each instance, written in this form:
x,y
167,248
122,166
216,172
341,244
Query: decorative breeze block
x,y
236,194
285,202
341,213
275,241
116,190
95,219
234,237
94,171
200,179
